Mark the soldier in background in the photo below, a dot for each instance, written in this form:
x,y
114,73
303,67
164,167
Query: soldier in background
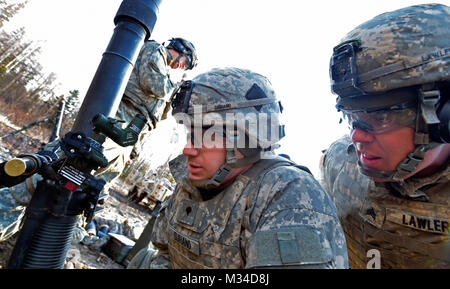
x,y
390,178
148,92
240,207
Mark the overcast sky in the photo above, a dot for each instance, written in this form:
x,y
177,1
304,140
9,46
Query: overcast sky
x,y
288,41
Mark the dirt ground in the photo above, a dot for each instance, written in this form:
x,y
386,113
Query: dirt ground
x,y
117,207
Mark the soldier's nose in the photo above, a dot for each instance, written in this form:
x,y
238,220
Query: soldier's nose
x,y
189,149
360,135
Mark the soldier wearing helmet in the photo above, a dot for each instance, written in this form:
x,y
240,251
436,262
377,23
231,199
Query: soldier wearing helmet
x,y
240,205
183,48
149,88
148,92
390,178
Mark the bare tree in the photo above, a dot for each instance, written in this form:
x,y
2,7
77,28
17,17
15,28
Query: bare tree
x,y
8,9
27,93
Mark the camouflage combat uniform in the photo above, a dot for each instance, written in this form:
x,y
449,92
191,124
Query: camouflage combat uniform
x,y
274,213
266,208
393,217
149,88
178,167
148,92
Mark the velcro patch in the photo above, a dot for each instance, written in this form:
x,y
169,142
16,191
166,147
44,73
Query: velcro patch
x,y
300,245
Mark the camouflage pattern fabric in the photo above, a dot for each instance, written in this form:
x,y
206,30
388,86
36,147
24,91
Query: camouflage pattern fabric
x,y
178,168
408,233
148,92
149,88
406,47
117,157
222,94
226,231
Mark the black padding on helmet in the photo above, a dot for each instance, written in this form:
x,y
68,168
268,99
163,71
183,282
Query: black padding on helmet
x,y
343,69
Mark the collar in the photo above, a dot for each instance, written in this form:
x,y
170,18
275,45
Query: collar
x,y
220,207
412,187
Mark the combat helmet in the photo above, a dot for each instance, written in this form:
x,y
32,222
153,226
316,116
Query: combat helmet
x,y
184,48
236,103
399,60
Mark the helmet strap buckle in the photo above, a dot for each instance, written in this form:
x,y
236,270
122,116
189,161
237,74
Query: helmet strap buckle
x,y
218,177
428,101
410,163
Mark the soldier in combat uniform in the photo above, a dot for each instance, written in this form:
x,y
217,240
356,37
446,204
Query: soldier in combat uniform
x,y
240,207
148,92
390,178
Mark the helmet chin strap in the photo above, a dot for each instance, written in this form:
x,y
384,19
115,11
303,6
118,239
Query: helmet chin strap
x,y
406,167
421,139
231,162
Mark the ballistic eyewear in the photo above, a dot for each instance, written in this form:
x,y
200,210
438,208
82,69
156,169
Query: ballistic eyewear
x,y
381,121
